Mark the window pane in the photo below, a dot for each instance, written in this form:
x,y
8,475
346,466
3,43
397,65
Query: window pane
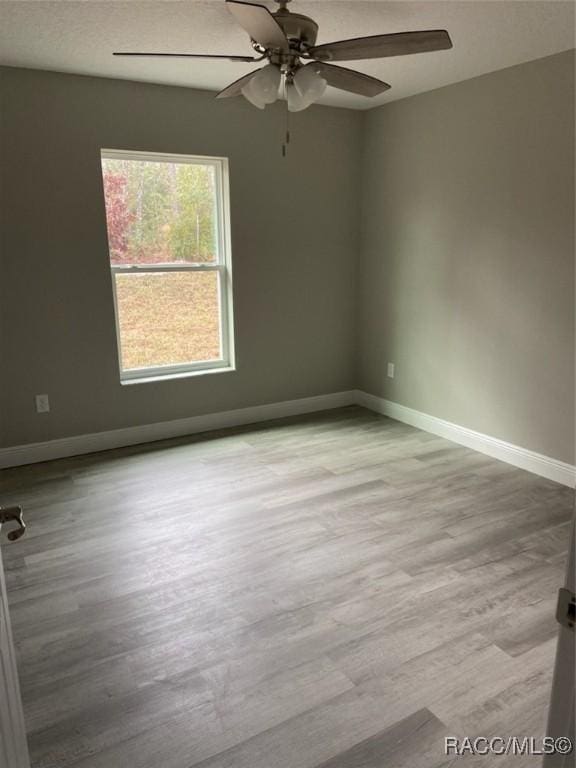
x,y
168,318
160,212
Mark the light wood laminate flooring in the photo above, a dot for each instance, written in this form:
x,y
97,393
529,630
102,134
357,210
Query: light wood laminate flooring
x,y
333,591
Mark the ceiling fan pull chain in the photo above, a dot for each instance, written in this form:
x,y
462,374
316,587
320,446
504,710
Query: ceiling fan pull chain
x,y
287,136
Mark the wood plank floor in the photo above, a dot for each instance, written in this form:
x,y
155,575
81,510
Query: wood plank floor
x,y
335,591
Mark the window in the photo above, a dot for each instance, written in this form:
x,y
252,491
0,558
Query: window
x,y
168,238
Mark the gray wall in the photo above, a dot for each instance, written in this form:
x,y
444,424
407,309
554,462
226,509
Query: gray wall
x,y
467,273
294,239
456,262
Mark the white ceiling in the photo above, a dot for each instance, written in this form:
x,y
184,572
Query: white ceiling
x,y
80,35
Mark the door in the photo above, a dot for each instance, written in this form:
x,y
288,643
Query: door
x,y
13,746
561,714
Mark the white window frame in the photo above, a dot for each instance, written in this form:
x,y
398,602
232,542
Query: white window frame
x,y
223,266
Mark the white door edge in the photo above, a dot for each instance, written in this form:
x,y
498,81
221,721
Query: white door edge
x,y
561,713
13,745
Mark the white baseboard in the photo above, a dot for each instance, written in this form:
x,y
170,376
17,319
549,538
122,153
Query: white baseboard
x,y
544,466
534,462
32,453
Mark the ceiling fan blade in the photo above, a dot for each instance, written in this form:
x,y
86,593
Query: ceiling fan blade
x,y
259,23
379,46
187,56
349,79
235,88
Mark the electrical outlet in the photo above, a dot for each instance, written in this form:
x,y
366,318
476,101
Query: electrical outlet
x,y
42,404
390,370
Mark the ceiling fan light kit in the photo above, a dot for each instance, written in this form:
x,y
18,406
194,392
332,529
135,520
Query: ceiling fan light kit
x,y
263,88
284,39
295,101
309,84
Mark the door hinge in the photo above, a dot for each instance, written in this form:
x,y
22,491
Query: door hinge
x,y
566,608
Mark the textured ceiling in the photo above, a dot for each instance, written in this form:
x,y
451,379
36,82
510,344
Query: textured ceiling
x,y
79,36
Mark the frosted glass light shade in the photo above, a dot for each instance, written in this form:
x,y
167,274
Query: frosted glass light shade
x,y
295,102
309,84
253,97
262,89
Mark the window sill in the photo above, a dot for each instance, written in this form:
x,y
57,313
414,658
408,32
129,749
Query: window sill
x,y
171,376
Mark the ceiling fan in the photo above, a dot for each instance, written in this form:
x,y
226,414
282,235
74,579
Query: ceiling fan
x,y
284,39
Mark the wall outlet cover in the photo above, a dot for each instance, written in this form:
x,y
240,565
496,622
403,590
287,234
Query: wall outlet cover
x,y
42,404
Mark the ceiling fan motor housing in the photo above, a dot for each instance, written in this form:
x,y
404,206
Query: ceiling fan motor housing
x,y
300,30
